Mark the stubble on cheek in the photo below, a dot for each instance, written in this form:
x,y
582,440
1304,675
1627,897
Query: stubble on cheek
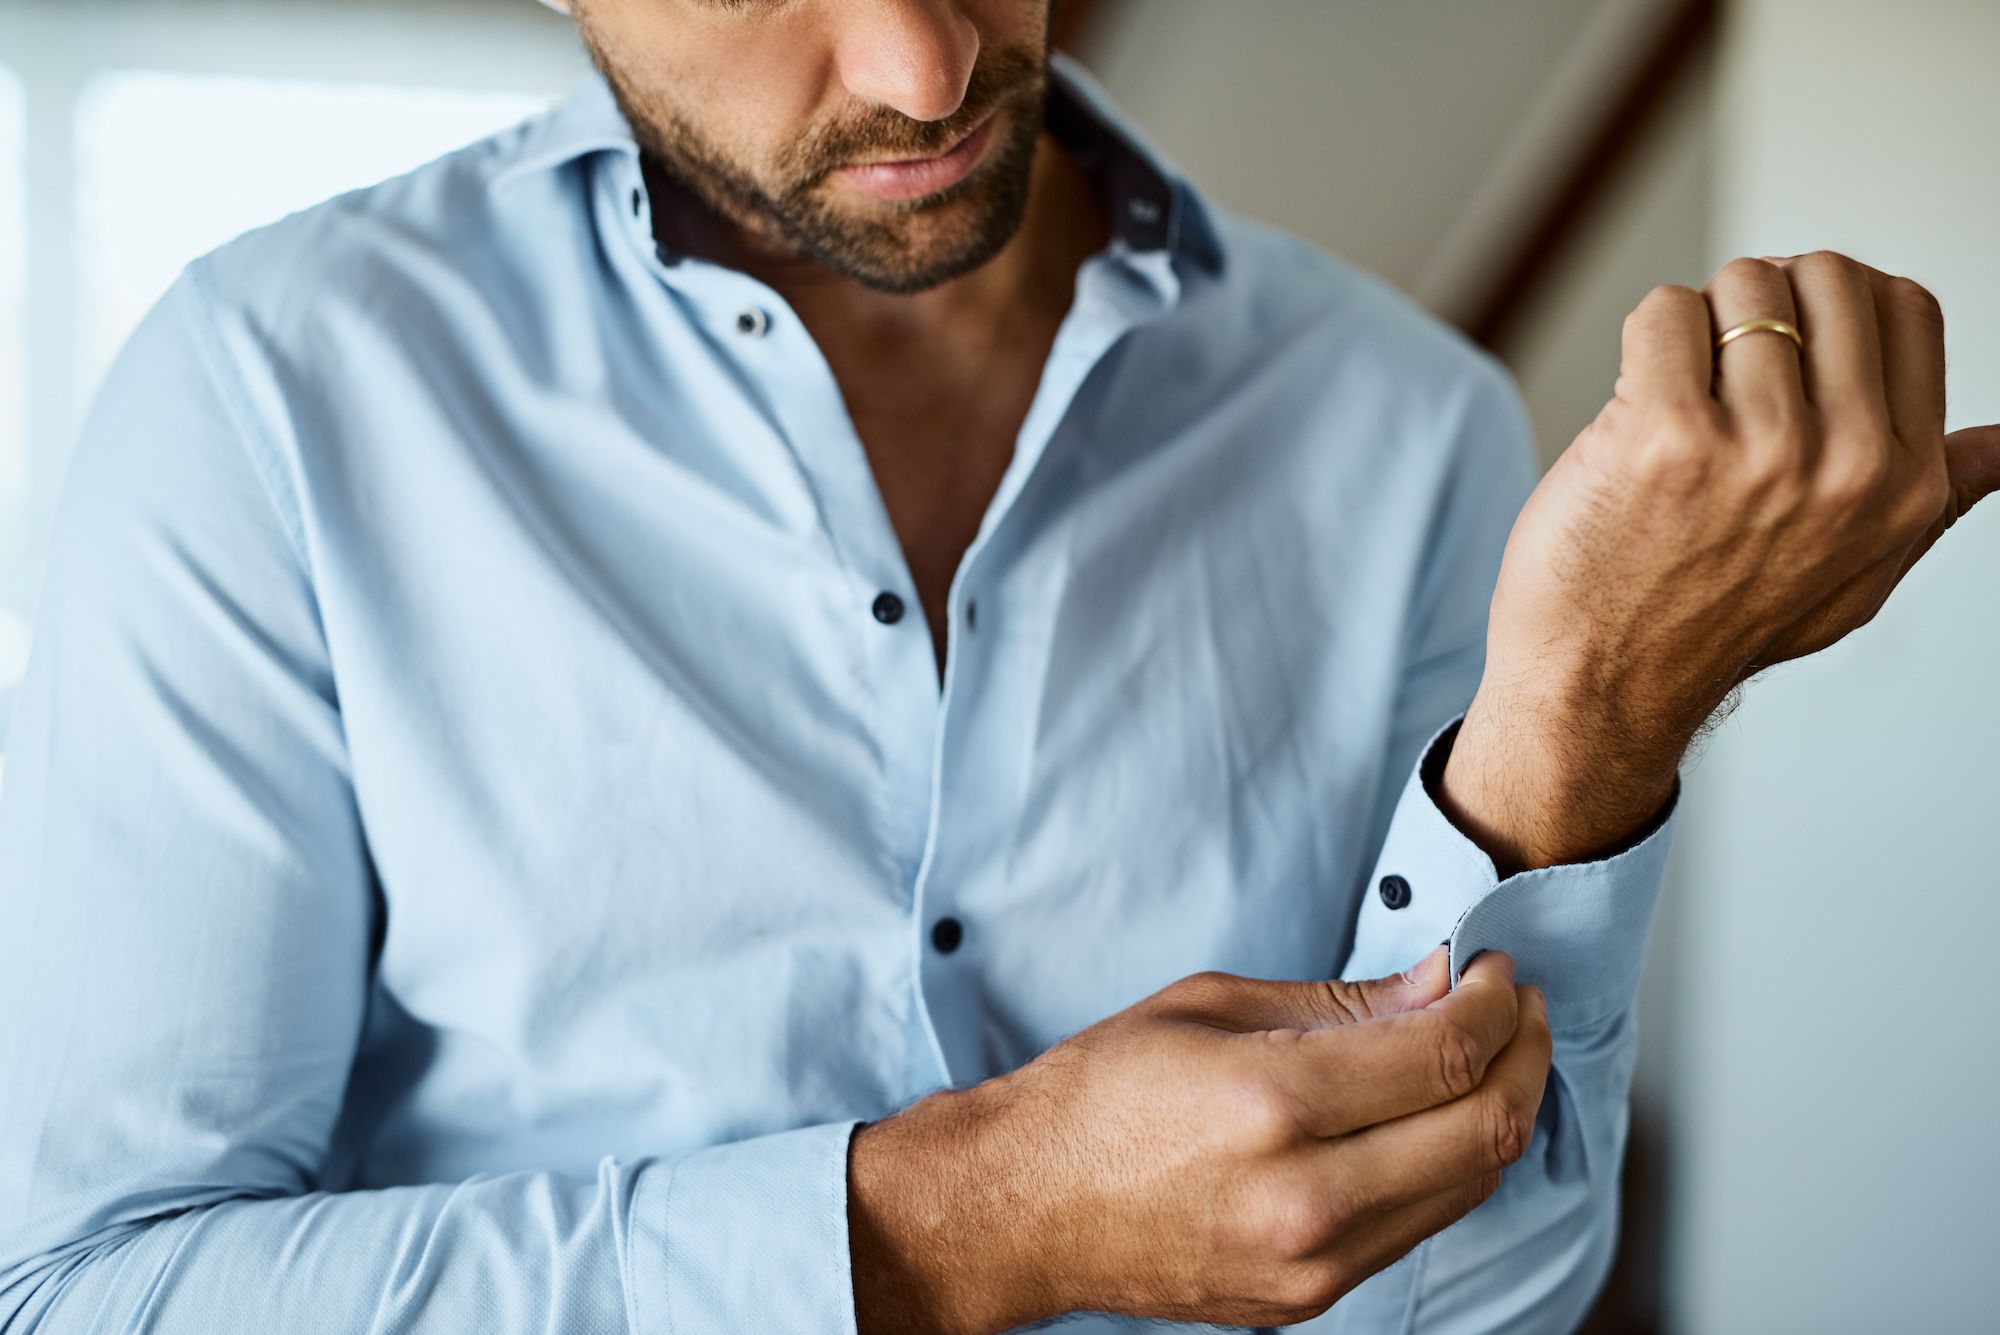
x,y
903,248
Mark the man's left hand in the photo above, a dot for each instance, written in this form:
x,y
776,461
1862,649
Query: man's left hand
x,y
1726,511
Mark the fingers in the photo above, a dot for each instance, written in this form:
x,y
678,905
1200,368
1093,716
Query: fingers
x,y
1386,1239
1424,1153
1912,336
1338,1080
1912,331
1666,348
1757,377
1843,358
1253,1005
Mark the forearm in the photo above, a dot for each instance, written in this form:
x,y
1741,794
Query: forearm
x,y
933,1222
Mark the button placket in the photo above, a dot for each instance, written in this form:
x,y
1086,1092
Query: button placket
x,y
1110,303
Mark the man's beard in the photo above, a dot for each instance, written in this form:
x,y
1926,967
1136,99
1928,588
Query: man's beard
x,y
895,253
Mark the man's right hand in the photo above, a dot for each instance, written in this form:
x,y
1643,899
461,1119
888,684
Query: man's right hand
x,y
1229,1150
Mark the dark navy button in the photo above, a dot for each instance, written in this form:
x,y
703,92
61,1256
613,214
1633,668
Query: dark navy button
x,y
946,933
753,322
888,608
638,203
971,615
1395,891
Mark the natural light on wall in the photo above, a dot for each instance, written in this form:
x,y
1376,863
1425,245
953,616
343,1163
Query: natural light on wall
x,y
165,166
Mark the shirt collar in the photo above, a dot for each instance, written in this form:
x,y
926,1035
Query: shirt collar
x,y
1151,204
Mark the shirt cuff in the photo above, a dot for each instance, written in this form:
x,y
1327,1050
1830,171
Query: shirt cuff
x,y
749,1235
1576,930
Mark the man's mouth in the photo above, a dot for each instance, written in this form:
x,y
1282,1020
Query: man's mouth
x,y
911,178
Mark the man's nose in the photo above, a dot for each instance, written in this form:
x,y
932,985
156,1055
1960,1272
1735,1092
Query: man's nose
x,y
913,55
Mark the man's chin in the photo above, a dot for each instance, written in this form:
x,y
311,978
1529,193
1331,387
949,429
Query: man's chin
x,y
910,245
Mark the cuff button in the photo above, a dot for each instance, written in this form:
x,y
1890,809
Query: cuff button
x,y
1395,891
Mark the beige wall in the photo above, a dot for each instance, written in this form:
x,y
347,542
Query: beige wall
x,y
1409,139
1837,1075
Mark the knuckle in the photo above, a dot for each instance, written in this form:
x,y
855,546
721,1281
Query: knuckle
x,y
1262,1118
1923,502
1509,1127
1308,1288
1457,1051
1746,270
1348,1201
1666,297
1535,1017
1197,991
1769,474
1291,1224
1855,479
1826,262
1340,1001
1679,443
1908,295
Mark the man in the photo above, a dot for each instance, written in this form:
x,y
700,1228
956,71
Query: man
x,y
810,696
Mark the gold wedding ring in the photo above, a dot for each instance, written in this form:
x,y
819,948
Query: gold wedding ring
x,y
1760,327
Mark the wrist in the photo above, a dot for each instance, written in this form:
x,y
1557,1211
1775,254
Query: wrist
x,y
931,1228
1554,778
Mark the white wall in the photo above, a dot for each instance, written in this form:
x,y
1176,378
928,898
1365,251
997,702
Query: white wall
x,y
1837,1055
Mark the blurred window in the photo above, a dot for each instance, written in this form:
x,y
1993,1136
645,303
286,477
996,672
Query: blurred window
x,y
170,166
163,166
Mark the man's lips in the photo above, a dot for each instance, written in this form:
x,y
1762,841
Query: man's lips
x,y
913,177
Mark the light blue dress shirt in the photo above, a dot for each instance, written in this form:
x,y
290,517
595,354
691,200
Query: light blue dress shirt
x,y
470,855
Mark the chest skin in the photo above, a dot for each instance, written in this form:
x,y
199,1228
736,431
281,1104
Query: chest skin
x,y
938,450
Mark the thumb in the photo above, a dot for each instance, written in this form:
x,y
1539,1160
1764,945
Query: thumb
x,y
1972,457
1251,1004
1972,463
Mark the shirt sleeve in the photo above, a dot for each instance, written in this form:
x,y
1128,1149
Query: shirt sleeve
x,y
1534,1255
187,916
